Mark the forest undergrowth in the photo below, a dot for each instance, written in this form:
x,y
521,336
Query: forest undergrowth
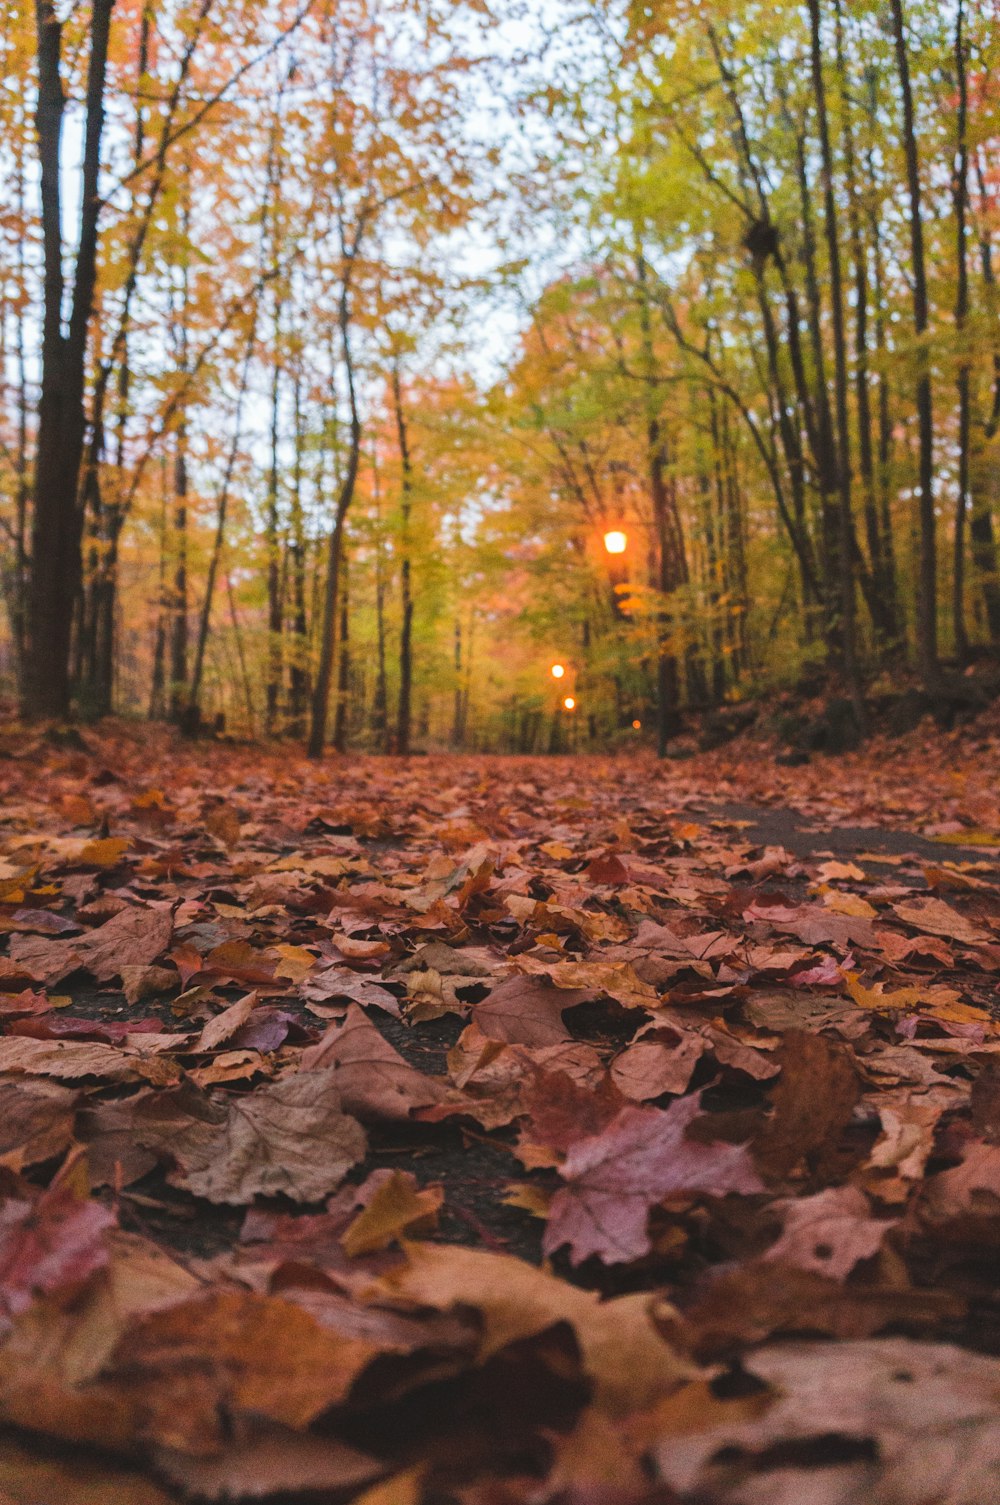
x,y
499,1130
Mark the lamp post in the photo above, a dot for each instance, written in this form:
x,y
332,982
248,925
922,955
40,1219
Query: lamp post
x,y
558,671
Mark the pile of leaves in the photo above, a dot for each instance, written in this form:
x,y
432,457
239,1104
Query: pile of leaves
x,y
495,1132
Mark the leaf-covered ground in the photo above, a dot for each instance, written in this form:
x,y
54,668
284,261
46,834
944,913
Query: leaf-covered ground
x,y
499,1132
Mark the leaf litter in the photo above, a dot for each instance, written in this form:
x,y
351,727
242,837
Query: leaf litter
x,y
498,1131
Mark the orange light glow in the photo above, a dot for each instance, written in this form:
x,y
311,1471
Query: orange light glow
x,y
615,541
637,726
558,670
569,704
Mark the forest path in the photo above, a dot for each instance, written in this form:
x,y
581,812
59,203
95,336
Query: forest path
x,y
391,1053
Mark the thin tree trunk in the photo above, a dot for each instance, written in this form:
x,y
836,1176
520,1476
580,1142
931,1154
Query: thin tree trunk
x,y
324,673
275,612
299,669
160,640
179,593
927,652
845,531
960,197
340,717
882,600
984,485
18,590
192,713
241,655
380,701
456,722
404,712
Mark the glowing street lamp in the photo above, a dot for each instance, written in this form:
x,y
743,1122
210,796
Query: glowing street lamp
x,y
615,541
569,704
558,671
637,726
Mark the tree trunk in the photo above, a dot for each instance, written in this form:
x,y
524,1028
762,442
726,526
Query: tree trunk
x,y
299,670
960,198
328,633
882,599
845,530
341,717
456,721
404,712
179,593
927,652
380,701
192,712
983,480
275,612
57,523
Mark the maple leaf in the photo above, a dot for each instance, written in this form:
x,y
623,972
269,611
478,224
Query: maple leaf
x,y
971,1187
814,924
36,1122
615,1177
829,1232
49,1247
340,982
940,919
623,1351
925,1414
651,1067
528,1011
289,1136
226,1024
69,1060
132,938
371,1077
393,1206
618,980
232,1354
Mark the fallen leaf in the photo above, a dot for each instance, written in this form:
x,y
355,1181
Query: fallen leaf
x,y
811,1105
829,1232
528,1011
290,1137
615,1177
940,919
630,1364
371,1077
396,1207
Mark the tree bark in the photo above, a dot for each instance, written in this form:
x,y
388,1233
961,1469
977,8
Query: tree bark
x,y
960,198
56,562
328,633
404,712
882,599
845,530
983,479
340,717
927,650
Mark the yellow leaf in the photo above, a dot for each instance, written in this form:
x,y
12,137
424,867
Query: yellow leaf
x,y
850,904
530,1198
401,1489
104,853
296,962
396,1208
935,1001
